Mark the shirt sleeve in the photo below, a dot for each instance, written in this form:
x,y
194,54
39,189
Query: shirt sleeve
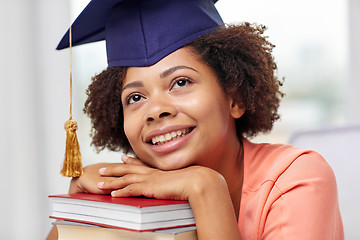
x,y
306,204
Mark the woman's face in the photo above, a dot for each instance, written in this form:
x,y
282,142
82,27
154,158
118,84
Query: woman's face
x,y
176,114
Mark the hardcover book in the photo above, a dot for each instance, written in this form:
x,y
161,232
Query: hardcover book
x,y
137,214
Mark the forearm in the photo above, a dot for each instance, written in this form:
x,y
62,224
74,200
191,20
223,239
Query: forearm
x,y
212,206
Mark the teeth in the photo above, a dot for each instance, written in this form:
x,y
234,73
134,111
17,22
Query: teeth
x,y
161,139
167,137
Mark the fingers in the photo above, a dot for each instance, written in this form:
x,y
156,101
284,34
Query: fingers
x,y
127,186
124,177
132,190
131,166
121,170
120,182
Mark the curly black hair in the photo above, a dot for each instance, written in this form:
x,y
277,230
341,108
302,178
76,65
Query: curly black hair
x,y
241,58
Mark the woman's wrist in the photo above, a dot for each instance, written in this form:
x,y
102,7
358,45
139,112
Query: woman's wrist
x,y
205,181
212,206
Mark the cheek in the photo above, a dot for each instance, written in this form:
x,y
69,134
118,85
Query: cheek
x,y
207,107
131,128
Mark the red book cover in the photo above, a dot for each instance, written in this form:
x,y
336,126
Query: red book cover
x,y
139,202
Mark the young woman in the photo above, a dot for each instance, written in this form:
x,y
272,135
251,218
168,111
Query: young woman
x,y
187,119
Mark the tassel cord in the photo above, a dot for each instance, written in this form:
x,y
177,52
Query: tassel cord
x,y
72,166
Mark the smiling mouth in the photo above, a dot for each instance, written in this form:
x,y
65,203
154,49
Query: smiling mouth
x,y
162,139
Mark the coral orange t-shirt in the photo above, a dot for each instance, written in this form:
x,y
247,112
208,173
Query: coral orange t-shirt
x,y
288,193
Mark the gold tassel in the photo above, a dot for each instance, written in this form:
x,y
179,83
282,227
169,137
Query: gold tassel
x,y
72,163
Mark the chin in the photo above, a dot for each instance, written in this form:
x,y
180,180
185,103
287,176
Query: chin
x,y
168,164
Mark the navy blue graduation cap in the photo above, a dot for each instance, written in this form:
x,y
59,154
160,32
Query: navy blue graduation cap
x,y
142,32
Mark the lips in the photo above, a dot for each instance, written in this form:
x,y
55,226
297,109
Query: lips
x,y
169,138
164,138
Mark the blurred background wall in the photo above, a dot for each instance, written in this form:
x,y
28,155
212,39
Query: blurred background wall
x,y
317,52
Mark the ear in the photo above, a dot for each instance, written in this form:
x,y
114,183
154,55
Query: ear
x,y
235,110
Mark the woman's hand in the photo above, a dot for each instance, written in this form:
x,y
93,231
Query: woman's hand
x,y
134,178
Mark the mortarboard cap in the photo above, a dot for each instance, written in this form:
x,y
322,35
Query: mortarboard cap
x,y
141,32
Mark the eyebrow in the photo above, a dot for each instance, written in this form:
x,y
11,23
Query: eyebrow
x,y
162,75
133,84
173,69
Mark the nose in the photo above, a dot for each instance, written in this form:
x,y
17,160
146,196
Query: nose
x,y
160,108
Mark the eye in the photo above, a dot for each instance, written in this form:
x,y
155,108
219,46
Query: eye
x,y
180,83
133,98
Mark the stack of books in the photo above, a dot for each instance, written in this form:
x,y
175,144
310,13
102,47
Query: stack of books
x,y
90,216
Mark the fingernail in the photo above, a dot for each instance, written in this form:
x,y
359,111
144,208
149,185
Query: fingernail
x,y
124,158
102,170
113,193
100,184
